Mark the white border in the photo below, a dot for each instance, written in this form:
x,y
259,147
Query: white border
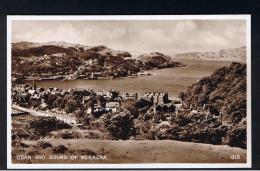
x,y
10,165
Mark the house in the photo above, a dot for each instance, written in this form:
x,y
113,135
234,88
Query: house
x,y
55,91
110,94
131,96
43,104
32,92
148,97
46,75
58,54
143,73
21,88
96,110
156,97
95,75
165,108
112,106
101,93
178,107
50,89
85,99
39,90
36,96
91,62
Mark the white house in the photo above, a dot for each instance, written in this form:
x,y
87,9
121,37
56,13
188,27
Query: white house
x,y
112,106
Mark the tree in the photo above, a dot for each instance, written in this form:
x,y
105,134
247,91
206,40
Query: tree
x,y
182,95
120,126
101,60
101,101
83,117
71,106
58,102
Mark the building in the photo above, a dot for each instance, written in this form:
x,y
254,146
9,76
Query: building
x,y
131,96
21,88
46,75
156,97
112,106
107,94
85,99
55,91
36,96
96,110
91,62
32,92
165,108
95,75
57,55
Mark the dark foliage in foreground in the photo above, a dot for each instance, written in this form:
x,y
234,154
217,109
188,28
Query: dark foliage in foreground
x,y
44,125
225,92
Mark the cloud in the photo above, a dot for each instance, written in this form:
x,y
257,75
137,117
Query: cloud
x,y
137,36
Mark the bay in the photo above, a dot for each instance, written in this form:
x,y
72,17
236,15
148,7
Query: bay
x,y
171,80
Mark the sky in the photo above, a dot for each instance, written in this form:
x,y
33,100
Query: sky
x,y
137,37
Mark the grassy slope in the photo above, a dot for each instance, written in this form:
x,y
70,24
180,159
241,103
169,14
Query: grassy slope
x,y
148,151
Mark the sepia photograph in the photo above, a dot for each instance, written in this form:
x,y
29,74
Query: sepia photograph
x,y
129,91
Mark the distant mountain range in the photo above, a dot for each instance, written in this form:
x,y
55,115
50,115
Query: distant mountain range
x,y
75,61
235,54
28,49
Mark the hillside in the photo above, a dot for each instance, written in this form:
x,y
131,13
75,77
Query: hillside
x,y
235,54
130,151
224,90
157,60
224,94
28,49
73,61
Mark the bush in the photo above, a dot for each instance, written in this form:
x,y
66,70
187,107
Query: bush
x,y
60,149
44,125
71,106
120,126
43,144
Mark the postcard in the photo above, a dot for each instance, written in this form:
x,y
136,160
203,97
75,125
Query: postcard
x,y
135,91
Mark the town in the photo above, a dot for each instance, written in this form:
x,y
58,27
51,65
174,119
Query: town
x,y
70,101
